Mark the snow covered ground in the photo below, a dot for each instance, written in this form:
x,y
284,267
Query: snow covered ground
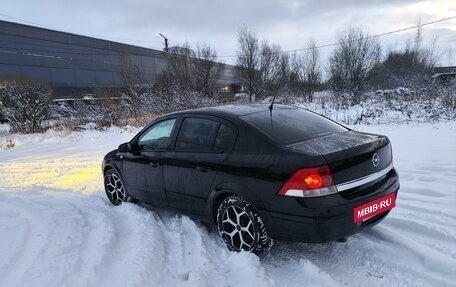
x,y
57,228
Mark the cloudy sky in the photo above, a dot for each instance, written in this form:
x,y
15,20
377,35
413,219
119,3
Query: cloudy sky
x,y
288,23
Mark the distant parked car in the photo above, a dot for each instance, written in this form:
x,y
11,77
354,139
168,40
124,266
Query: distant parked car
x,y
258,173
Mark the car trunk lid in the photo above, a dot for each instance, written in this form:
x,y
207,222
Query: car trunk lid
x,y
352,156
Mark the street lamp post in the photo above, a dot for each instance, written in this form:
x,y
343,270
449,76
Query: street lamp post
x,y
166,42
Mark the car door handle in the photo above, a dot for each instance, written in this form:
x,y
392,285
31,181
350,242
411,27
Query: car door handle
x,y
203,168
154,164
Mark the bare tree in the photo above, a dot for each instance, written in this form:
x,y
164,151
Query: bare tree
x,y
306,71
410,67
259,67
131,73
426,55
133,82
312,69
115,110
284,70
206,71
269,62
270,65
248,61
180,67
349,65
450,57
190,78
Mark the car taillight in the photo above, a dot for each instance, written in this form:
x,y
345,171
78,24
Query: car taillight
x,y
309,182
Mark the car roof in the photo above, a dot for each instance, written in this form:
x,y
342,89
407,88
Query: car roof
x,y
237,110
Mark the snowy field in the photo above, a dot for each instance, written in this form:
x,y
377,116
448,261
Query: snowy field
x,y
57,228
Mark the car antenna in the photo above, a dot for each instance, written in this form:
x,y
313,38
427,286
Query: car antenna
x,y
271,106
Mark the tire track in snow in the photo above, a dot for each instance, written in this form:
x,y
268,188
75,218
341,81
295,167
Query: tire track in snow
x,y
39,227
12,247
85,241
132,249
430,235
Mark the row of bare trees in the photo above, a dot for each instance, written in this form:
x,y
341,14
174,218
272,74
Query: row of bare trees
x,y
189,77
265,70
189,70
355,66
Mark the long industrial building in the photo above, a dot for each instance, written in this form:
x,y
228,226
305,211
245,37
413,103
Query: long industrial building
x,y
69,62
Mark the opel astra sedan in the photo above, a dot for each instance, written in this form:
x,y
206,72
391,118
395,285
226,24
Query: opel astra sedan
x,y
259,173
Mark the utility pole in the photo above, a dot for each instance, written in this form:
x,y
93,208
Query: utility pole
x,y
166,60
166,42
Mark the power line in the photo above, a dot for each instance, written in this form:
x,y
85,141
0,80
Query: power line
x,y
110,53
28,22
363,38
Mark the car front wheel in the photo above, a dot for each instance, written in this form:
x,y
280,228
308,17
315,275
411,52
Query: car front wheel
x,y
241,227
114,187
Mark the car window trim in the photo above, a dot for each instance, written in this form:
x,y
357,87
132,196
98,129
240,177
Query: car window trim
x,y
196,151
135,140
215,138
207,117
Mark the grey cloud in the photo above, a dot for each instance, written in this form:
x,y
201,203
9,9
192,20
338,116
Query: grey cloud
x,y
289,23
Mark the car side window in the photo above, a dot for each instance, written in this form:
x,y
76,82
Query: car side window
x,y
225,139
197,134
157,136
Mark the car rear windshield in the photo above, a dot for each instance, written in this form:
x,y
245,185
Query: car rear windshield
x,y
291,125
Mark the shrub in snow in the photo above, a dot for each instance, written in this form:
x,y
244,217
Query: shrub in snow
x,y
449,100
24,104
8,144
350,63
448,94
381,107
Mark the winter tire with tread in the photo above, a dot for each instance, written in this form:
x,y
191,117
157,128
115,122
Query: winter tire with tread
x,y
114,187
241,227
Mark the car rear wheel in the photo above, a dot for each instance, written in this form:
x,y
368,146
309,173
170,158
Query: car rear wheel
x,y
114,187
241,227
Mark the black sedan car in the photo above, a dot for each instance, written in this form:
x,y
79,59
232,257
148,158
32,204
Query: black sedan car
x,y
258,172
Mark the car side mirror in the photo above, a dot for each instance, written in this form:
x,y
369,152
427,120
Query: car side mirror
x,y
125,147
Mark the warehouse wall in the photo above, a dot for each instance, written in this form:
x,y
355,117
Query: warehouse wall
x,y
67,60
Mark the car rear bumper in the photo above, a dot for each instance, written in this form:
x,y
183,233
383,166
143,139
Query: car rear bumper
x,y
325,218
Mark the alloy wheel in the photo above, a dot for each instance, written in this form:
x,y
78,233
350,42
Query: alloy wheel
x,y
114,188
238,228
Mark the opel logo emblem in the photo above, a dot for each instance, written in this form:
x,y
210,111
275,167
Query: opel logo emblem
x,y
375,159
